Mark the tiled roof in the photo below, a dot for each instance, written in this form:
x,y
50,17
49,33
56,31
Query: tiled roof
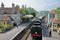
x,y
0,17
55,21
9,10
6,18
52,19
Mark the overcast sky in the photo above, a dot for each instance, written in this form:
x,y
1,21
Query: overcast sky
x,y
36,4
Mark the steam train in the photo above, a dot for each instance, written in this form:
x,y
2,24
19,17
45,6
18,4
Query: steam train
x,y
36,28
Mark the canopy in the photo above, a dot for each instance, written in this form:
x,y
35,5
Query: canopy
x,y
28,16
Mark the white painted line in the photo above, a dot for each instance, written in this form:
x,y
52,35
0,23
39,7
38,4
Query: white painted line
x,y
16,34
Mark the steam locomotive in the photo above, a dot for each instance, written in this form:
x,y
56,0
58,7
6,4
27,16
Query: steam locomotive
x,y
36,28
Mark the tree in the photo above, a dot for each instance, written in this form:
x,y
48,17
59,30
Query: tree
x,y
34,14
32,11
28,11
58,12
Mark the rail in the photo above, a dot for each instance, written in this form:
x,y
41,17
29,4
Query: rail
x,y
22,33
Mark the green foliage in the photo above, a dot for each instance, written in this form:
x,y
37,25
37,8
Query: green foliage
x,y
58,12
28,11
22,10
34,14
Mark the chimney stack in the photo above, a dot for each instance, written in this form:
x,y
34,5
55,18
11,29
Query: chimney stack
x,y
2,7
13,8
22,6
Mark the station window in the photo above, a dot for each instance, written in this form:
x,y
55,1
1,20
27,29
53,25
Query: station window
x,y
52,15
58,25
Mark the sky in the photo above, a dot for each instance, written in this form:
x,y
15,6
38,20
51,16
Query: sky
x,y
38,5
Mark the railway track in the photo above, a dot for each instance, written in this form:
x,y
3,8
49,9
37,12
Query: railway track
x,y
25,37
